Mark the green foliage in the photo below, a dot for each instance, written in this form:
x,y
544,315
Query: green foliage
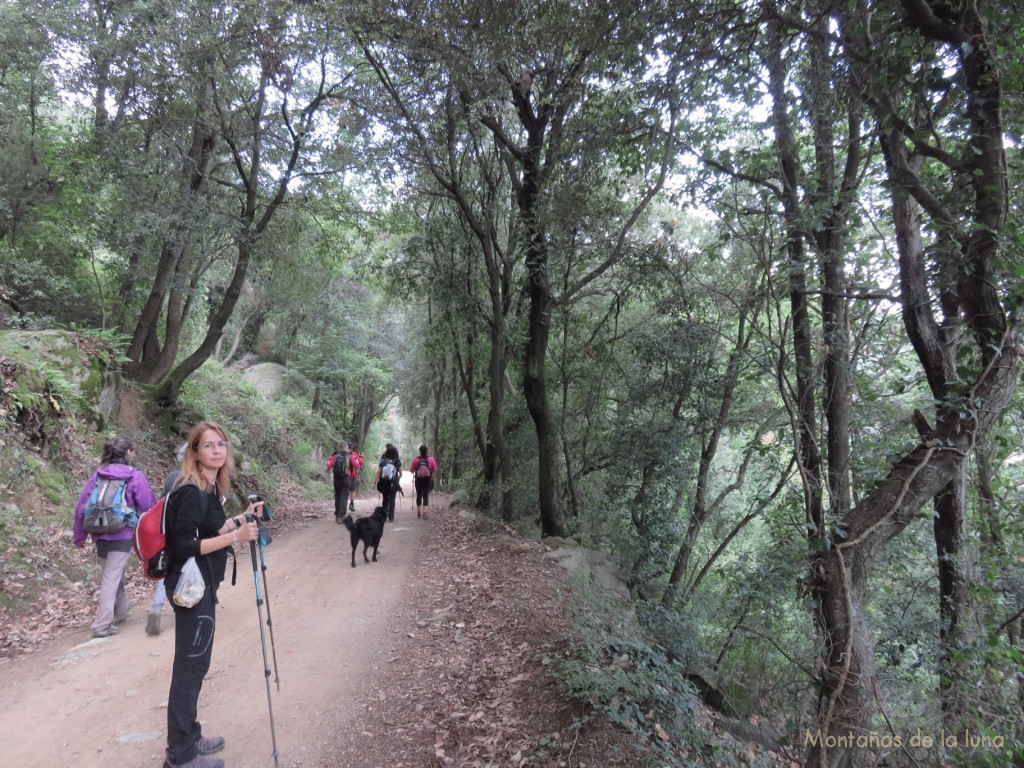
x,y
53,378
272,439
616,670
107,342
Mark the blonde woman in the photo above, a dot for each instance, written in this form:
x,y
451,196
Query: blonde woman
x,y
198,527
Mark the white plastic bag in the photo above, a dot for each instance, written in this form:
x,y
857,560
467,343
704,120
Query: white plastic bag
x,y
191,586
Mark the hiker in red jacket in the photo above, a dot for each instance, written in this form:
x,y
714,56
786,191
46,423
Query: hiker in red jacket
x,y
343,482
355,464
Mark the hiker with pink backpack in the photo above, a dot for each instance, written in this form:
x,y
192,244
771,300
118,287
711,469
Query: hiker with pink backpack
x,y
423,468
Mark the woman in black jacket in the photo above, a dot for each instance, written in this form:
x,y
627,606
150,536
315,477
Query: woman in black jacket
x,y
387,480
198,527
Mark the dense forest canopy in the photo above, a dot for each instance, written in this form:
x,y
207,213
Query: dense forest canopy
x,y
728,290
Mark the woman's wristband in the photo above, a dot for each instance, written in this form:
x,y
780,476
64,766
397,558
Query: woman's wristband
x,y
235,521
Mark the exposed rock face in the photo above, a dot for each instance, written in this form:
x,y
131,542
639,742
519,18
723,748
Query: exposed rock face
x,y
46,360
58,348
266,377
598,565
272,379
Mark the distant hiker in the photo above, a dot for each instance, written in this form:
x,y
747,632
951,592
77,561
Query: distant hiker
x,y
342,480
197,527
119,491
355,462
159,594
423,468
389,472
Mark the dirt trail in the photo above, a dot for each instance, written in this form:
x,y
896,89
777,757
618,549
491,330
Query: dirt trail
x,y
103,702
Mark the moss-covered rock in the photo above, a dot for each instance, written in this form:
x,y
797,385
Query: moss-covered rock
x,y
57,371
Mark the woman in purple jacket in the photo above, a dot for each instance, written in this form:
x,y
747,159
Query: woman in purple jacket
x,y
114,549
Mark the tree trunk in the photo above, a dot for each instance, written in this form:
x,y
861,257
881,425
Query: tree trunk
x,y
167,392
195,176
956,615
539,322
830,203
535,389
435,417
701,509
367,409
804,411
179,303
226,360
501,456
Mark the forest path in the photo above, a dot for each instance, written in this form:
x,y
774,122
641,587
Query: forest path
x,y
103,702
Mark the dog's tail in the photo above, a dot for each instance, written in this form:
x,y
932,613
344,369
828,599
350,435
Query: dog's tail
x,y
347,520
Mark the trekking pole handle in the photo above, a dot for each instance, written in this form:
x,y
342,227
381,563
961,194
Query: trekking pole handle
x,y
252,545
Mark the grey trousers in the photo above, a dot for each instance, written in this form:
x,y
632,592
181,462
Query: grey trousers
x,y
159,598
114,603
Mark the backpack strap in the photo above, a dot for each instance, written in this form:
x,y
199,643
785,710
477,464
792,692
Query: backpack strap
x,y
133,517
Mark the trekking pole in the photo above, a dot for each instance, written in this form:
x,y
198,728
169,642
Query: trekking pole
x,y
263,642
265,538
266,597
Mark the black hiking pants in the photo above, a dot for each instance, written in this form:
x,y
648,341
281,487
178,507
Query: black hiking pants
x,y
423,487
342,488
388,502
193,649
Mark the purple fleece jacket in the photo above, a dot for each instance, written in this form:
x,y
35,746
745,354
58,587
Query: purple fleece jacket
x,y
138,495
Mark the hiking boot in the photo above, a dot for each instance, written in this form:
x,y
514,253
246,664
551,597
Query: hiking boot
x,y
153,623
418,515
337,519
207,746
108,631
351,506
199,761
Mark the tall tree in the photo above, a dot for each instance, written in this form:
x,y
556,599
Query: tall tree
x,y
955,128
27,96
436,132
268,126
832,90
552,90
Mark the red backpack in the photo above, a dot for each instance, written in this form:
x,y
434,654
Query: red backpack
x,y
150,541
355,462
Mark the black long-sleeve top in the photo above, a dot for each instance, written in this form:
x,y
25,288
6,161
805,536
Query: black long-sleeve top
x,y
193,518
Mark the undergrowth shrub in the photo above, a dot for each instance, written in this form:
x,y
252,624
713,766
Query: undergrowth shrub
x,y
272,439
617,671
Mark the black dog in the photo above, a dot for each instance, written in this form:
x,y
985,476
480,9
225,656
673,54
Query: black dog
x,y
367,530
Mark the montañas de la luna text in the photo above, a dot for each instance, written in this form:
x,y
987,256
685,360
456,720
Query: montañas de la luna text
x,y
965,739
